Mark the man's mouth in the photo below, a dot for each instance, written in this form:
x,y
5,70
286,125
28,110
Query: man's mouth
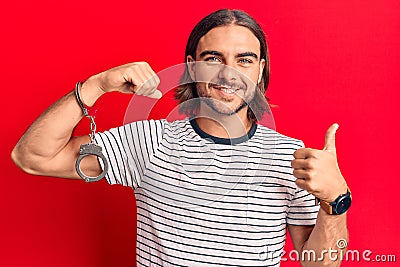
x,y
225,90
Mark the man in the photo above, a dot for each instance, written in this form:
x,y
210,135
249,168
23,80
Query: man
x,y
216,188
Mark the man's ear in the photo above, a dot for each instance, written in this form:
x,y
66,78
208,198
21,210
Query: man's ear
x,y
191,65
262,65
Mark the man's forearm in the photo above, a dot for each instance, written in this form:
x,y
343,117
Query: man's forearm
x,y
323,240
51,132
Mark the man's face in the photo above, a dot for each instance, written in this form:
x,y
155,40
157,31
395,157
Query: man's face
x,y
228,68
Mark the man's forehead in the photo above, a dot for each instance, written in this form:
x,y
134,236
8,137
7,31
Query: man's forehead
x,y
231,39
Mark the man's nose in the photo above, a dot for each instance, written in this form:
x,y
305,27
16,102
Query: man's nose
x,y
228,73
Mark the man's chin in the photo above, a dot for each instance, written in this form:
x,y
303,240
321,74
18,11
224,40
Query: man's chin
x,y
225,110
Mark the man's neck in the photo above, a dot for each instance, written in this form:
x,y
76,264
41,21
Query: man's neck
x,y
224,126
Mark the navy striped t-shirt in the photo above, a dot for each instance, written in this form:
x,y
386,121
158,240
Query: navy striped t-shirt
x,y
207,201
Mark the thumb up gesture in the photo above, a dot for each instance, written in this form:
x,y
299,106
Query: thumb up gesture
x,y
317,171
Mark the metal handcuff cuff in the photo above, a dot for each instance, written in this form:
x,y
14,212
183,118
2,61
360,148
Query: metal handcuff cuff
x,y
91,148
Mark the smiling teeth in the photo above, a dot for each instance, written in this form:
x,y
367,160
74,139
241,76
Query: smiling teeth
x,y
229,91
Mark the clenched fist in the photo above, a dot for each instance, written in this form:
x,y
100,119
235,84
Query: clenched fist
x,y
132,78
317,171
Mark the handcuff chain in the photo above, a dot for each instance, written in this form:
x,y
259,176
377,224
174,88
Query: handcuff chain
x,y
92,130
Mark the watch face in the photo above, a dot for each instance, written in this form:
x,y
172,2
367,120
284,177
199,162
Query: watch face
x,y
343,204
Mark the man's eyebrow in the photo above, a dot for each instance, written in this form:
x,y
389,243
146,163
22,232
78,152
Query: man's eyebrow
x,y
216,53
210,52
247,54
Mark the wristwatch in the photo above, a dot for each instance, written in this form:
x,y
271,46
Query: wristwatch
x,y
339,206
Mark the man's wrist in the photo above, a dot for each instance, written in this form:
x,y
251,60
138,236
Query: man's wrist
x,y
342,189
338,206
90,92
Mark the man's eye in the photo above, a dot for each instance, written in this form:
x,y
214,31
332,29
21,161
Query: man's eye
x,y
213,59
245,60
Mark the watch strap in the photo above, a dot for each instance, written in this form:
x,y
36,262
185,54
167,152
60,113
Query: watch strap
x,y
326,206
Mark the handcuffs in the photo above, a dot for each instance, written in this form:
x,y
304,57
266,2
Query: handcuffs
x,y
91,148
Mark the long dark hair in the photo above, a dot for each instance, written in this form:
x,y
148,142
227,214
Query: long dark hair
x,y
187,89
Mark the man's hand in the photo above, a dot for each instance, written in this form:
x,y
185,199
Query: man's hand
x,y
317,171
132,78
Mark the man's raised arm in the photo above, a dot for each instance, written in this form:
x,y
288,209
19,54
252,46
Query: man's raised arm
x,y
48,147
317,171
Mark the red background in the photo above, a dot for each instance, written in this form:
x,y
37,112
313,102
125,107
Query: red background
x,y
331,61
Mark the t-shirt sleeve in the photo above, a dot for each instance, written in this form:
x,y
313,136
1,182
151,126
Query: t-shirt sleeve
x,y
302,208
128,149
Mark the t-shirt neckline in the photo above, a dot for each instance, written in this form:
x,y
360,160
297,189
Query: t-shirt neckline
x,y
220,140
